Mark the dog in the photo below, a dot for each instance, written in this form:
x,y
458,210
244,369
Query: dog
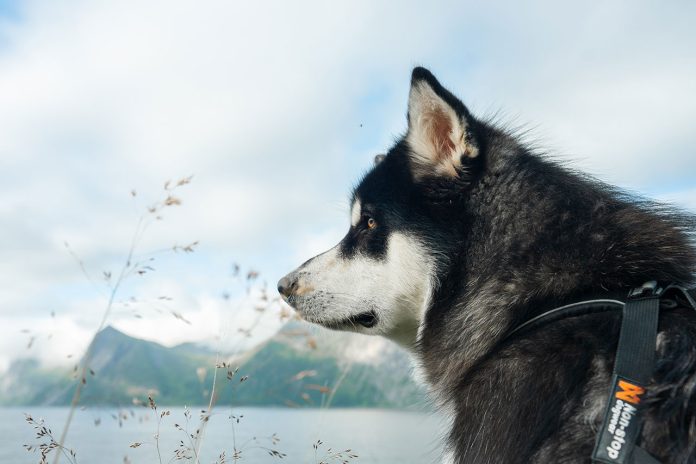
x,y
462,232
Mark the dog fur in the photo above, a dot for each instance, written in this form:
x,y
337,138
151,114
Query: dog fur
x,y
460,233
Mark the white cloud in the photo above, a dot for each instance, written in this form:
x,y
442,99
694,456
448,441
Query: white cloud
x,y
54,341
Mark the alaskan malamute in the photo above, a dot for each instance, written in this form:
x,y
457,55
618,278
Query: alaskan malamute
x,y
460,233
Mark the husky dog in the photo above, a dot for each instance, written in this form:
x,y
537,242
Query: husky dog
x,y
460,233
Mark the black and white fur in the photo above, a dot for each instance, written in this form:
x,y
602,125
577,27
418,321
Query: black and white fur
x,y
459,234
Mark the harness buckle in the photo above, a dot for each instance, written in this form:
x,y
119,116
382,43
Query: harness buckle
x,y
646,290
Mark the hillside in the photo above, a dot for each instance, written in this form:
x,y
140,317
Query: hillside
x,y
301,366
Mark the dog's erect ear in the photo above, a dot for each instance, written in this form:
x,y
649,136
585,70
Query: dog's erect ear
x,y
439,133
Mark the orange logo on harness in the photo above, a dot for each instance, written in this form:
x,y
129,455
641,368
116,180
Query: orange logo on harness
x,y
629,392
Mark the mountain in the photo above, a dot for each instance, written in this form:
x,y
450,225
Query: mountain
x,y
302,360
300,366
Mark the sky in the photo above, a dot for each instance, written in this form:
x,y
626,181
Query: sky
x,y
276,109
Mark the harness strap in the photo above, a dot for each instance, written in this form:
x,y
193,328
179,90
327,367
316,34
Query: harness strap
x,y
690,295
633,366
570,310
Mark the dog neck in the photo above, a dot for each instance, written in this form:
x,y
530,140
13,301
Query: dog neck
x,y
539,233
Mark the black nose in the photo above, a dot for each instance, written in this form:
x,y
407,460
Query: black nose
x,y
287,285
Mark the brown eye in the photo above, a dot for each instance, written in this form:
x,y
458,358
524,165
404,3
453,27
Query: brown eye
x,y
371,223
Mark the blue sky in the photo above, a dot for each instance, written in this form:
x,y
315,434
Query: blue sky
x,y
9,8
277,108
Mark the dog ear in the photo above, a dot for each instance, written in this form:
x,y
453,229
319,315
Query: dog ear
x,y
439,135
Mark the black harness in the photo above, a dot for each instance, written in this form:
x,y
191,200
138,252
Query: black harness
x,y
635,359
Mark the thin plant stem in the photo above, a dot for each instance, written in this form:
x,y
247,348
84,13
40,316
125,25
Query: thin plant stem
x,y
211,403
159,422
88,354
337,385
213,397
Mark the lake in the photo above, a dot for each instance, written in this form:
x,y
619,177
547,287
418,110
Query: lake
x,y
376,436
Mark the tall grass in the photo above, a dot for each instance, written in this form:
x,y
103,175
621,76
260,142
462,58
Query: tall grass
x,y
135,263
128,269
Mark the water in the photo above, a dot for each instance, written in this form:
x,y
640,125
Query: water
x,y
376,436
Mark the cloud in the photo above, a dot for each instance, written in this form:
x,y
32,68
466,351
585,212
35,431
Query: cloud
x,y
54,341
277,108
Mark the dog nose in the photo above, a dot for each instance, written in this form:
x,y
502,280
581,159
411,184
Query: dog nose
x,y
287,285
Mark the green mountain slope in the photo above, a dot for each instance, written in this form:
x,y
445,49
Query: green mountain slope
x,y
300,366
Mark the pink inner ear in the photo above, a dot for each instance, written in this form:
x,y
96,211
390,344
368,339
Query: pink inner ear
x,y
440,130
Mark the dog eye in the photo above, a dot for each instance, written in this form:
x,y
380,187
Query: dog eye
x,y
371,223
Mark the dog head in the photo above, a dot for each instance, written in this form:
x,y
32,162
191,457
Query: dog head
x,y
379,278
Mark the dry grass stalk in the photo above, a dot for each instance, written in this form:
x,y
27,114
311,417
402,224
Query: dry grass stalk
x,y
48,443
262,306
331,455
188,450
128,268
